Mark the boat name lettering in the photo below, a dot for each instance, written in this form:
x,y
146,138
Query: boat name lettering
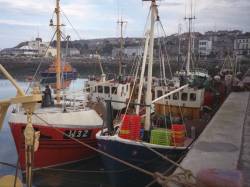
x,y
77,133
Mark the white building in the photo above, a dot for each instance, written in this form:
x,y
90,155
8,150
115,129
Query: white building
x,y
242,45
205,47
71,52
43,48
133,51
31,48
128,51
29,51
50,52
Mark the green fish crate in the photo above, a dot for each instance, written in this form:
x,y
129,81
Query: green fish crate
x,y
161,136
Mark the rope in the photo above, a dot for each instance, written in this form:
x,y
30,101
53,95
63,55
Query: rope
x,y
132,91
165,49
84,171
182,116
166,172
160,178
16,172
76,32
8,164
182,178
39,65
93,171
159,52
99,151
164,157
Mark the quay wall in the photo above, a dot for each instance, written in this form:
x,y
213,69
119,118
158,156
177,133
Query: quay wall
x,y
220,144
26,66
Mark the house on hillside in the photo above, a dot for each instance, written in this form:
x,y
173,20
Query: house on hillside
x,y
70,52
128,52
205,47
31,48
242,45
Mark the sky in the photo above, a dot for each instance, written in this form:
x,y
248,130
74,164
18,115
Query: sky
x,y
23,20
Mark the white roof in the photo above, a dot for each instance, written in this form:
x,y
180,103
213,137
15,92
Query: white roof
x,y
27,47
86,118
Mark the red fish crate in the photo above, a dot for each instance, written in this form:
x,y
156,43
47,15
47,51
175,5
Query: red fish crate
x,y
130,128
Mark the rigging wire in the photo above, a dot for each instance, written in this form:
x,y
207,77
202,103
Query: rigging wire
x,y
39,65
137,68
76,32
159,51
165,49
16,171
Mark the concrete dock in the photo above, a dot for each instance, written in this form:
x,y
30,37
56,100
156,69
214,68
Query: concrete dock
x,y
244,162
225,142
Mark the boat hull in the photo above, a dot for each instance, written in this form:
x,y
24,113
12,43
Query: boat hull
x,y
140,156
50,77
54,147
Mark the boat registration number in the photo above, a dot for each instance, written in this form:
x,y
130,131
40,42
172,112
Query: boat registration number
x,y
77,133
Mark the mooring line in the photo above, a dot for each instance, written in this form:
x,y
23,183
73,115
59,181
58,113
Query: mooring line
x,y
99,151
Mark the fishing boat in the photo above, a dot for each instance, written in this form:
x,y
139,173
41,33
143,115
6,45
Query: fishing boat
x,y
49,75
118,88
188,103
137,139
58,122
67,72
101,90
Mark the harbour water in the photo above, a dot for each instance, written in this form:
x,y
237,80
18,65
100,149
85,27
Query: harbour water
x,y
88,173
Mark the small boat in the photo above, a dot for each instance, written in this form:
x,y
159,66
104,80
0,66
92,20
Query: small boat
x,y
118,88
57,122
49,75
67,72
100,90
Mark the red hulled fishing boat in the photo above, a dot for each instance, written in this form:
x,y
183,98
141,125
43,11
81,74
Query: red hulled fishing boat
x,y
58,122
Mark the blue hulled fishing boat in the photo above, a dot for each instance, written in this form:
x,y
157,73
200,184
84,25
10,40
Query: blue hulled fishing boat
x,y
137,139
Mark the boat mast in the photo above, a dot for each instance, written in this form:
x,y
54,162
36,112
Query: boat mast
x,y
190,20
121,23
58,52
154,14
145,54
179,44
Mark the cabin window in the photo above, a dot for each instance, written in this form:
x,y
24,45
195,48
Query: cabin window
x,y
106,90
168,97
122,91
176,96
87,88
159,93
192,97
114,90
100,89
184,96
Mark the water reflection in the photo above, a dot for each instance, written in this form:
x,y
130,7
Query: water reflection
x,y
64,85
